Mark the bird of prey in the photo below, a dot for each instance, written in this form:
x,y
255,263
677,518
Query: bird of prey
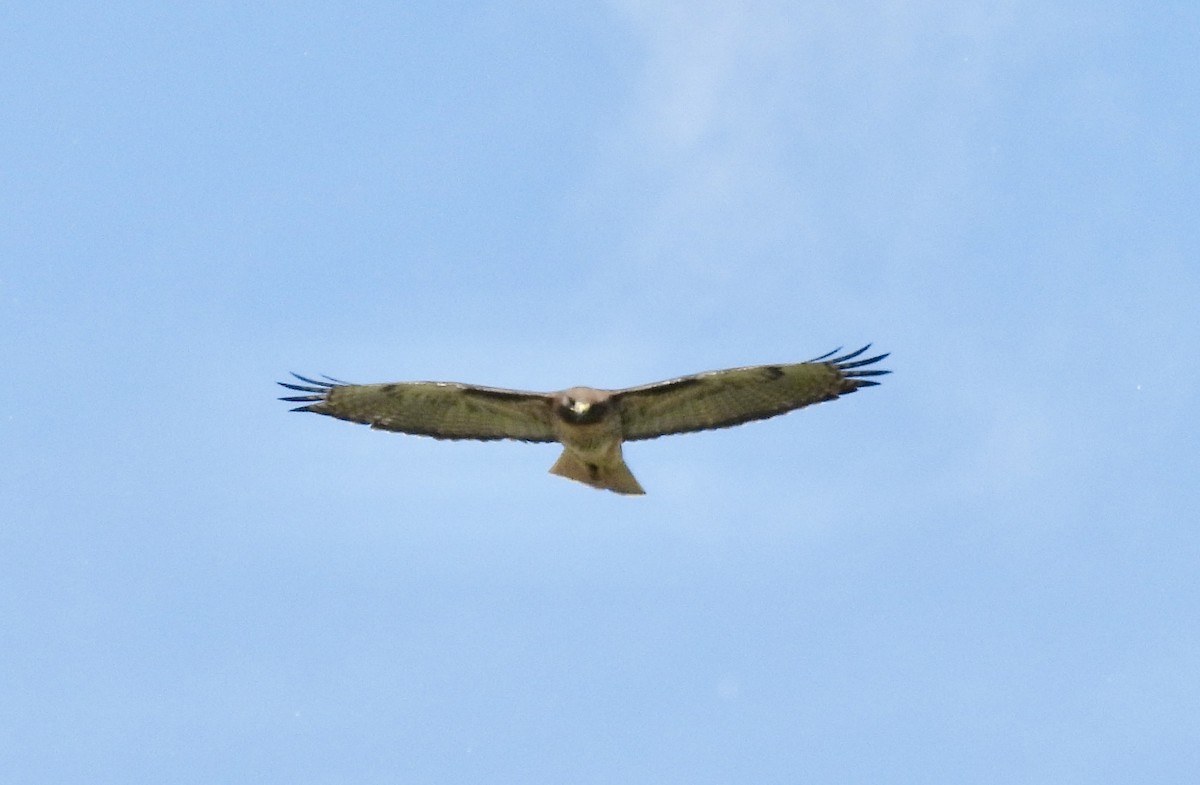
x,y
590,424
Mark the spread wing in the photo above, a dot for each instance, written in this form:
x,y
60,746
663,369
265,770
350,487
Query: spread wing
x,y
443,410
719,399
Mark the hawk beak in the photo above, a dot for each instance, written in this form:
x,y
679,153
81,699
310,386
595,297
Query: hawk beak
x,y
580,407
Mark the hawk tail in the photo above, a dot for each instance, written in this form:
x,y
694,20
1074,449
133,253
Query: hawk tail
x,y
608,476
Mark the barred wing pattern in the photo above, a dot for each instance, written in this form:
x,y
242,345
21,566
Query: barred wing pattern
x,y
720,399
443,410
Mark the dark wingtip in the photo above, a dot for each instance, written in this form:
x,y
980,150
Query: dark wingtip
x,y
850,356
317,390
317,382
843,358
825,357
855,371
861,363
302,388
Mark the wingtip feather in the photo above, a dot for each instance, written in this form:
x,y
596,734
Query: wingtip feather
x,y
303,388
825,357
317,382
854,370
316,389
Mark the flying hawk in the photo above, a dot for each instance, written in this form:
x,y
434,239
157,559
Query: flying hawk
x,y
590,424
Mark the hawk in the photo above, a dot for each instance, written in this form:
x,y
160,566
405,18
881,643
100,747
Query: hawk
x,y
590,424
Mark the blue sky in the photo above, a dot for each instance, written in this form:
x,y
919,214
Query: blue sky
x,y
983,571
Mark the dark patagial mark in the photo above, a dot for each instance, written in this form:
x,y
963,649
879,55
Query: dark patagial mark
x,y
495,394
662,388
772,372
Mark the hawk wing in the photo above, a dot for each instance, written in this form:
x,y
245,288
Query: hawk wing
x,y
719,399
443,410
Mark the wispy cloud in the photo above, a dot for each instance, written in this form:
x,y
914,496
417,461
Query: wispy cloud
x,y
769,148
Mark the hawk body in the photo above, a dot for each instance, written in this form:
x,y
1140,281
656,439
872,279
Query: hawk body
x,y
591,424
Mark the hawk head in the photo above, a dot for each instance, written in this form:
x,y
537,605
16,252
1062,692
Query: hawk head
x,y
582,405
